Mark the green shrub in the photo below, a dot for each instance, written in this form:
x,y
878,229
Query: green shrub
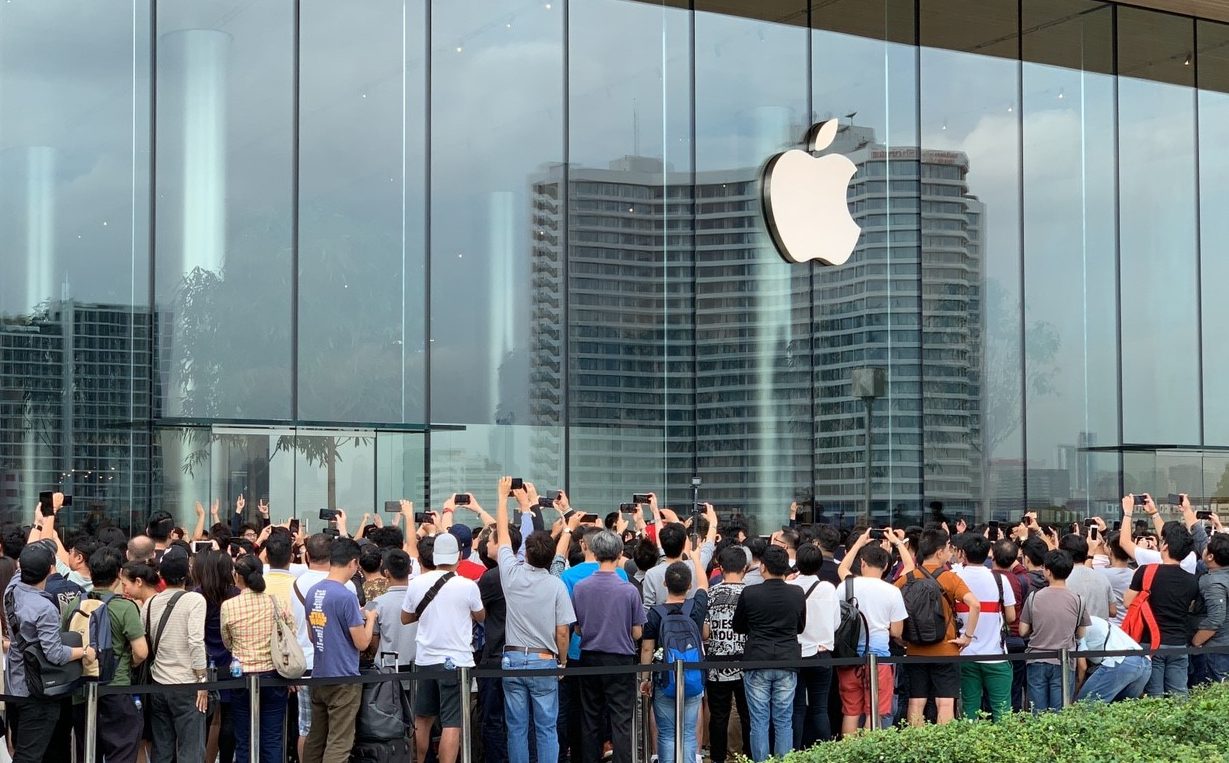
x,y
1137,731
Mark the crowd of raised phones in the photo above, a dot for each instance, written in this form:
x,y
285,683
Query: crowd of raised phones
x,y
538,586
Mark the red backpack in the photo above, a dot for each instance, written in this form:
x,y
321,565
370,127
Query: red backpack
x,y
1139,615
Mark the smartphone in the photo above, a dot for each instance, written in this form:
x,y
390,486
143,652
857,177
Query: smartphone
x,y
328,515
332,532
628,508
422,517
640,498
878,534
294,527
518,483
1090,523
557,496
588,518
545,503
1141,500
201,545
1092,532
1203,515
45,503
1174,499
460,499
1117,526
392,507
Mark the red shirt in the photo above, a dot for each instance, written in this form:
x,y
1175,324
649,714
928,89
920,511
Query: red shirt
x,y
468,568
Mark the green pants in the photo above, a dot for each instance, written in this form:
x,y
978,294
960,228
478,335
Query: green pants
x,y
978,679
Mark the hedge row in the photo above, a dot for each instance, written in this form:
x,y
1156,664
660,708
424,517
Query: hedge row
x,y
1136,731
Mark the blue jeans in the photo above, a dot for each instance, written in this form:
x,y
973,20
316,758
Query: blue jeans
x,y
1218,667
272,714
1168,675
1045,686
525,695
663,711
770,695
1126,680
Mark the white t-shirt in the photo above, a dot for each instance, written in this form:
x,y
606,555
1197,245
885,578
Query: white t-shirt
x,y
823,615
1145,556
445,629
1101,636
881,604
304,584
987,638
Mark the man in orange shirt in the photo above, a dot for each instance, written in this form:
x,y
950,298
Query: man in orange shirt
x,y
940,681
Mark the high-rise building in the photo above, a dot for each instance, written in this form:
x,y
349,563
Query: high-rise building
x,y
635,340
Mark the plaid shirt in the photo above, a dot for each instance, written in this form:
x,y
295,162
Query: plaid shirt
x,y
247,629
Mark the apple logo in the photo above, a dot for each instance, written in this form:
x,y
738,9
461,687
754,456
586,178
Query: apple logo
x,y
805,201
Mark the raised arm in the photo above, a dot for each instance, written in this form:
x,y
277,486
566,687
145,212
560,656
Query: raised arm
x,y
502,536
198,532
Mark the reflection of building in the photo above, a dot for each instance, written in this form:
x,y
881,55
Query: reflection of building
x,y
631,327
73,379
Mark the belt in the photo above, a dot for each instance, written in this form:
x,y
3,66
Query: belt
x,y
528,651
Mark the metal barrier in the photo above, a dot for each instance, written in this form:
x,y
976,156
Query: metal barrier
x,y
253,684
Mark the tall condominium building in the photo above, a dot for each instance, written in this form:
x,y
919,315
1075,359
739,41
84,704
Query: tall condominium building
x,y
689,348
74,399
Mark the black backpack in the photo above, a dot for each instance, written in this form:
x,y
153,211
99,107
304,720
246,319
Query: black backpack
x,y
927,621
852,630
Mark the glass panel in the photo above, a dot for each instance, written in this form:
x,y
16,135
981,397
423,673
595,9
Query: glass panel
x,y
971,273
629,292
362,203
1157,187
75,324
471,459
868,311
400,469
1213,61
1070,268
753,312
223,208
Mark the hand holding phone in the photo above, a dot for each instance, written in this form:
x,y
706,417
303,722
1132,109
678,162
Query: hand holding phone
x,y
328,515
460,499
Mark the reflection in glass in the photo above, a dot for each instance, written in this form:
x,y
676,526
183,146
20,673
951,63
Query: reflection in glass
x,y
971,273
1213,72
1158,231
1070,341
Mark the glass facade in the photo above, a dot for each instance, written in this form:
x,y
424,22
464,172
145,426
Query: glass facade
x,y
338,254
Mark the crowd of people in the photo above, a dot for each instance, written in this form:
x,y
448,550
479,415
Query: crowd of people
x,y
540,585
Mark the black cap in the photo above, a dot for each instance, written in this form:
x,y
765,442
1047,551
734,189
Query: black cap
x,y
36,562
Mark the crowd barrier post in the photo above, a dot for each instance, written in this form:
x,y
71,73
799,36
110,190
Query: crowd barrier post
x,y
872,675
253,719
1064,662
467,722
680,717
91,720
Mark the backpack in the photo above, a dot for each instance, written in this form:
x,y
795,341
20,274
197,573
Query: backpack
x,y
680,641
92,619
384,713
852,630
1139,615
927,621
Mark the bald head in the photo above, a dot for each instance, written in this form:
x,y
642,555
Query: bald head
x,y
140,549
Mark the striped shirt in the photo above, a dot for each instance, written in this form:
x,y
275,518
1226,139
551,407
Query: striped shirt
x,y
181,648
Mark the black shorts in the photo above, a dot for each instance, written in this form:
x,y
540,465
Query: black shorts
x,y
938,680
439,697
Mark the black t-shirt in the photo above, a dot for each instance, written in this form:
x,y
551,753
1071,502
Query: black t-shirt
x,y
1173,591
492,593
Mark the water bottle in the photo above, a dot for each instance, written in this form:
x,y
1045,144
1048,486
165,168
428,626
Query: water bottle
x,y
236,668
449,664
136,700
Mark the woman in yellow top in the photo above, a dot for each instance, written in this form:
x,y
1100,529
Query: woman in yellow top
x,y
247,631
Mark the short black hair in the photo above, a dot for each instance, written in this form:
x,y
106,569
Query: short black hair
x,y
645,555
370,558
873,555
397,564
976,548
85,545
539,549
790,536
775,561
1006,553
278,550
1075,545
678,578
426,552
13,540
1034,549
672,537
733,558
828,538
105,565
932,542
342,552
809,559
160,525
317,547
1178,540
1059,563
1218,549
757,546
